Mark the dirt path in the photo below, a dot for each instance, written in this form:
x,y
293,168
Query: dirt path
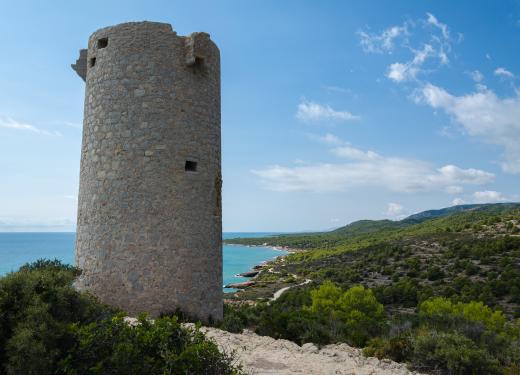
x,y
279,292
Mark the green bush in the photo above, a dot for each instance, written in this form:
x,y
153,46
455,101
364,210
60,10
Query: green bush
x,y
452,353
462,338
444,312
47,327
397,348
113,347
356,307
37,304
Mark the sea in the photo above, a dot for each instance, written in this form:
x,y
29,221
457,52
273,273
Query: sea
x,y
17,249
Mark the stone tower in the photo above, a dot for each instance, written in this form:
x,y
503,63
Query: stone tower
x,y
149,233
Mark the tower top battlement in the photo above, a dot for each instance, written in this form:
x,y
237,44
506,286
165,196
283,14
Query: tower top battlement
x,y
139,36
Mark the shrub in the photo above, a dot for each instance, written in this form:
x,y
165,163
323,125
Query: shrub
x,y
396,348
357,308
444,312
452,353
234,321
37,304
47,327
113,347
435,273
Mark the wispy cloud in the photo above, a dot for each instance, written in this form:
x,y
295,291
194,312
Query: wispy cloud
x,y
309,111
476,76
458,201
6,122
353,153
395,210
330,139
454,189
368,168
503,72
485,196
381,42
435,47
488,196
484,115
399,72
432,20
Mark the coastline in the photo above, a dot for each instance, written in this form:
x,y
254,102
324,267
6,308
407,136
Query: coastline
x,y
290,250
257,269
243,276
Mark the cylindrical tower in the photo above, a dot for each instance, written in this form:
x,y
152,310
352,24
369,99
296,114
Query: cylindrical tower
x,y
149,233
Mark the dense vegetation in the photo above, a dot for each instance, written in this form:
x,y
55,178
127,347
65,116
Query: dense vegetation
x,y
46,327
447,282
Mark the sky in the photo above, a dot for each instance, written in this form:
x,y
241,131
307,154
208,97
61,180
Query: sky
x,y
332,111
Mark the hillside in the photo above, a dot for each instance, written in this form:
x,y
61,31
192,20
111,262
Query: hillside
x,y
465,258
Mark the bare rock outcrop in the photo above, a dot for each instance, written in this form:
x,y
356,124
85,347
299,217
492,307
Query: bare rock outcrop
x,y
264,355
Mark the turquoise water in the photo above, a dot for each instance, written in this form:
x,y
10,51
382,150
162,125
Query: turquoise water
x,y
17,249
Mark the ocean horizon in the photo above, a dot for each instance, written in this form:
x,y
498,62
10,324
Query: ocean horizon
x,y
19,248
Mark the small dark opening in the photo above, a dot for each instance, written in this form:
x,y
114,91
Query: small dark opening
x,y
190,166
198,65
92,62
102,43
199,62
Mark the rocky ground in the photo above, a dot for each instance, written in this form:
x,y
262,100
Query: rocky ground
x,y
264,355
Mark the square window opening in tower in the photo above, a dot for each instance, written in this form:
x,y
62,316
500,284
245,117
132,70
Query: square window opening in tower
x,y
102,43
190,166
92,62
198,65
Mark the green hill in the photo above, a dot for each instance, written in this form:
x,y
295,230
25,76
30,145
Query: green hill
x,y
444,279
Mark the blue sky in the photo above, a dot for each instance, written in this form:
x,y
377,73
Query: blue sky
x,y
332,111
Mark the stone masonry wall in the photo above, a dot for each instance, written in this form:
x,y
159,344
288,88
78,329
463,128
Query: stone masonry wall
x,y
149,226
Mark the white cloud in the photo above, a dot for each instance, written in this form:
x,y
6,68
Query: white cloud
x,y
482,114
435,46
502,72
488,196
476,76
394,209
448,132
6,122
441,26
458,201
313,112
353,153
454,189
367,168
330,139
399,72
383,42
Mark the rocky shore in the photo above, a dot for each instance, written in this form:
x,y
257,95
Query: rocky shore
x,y
252,273
241,285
